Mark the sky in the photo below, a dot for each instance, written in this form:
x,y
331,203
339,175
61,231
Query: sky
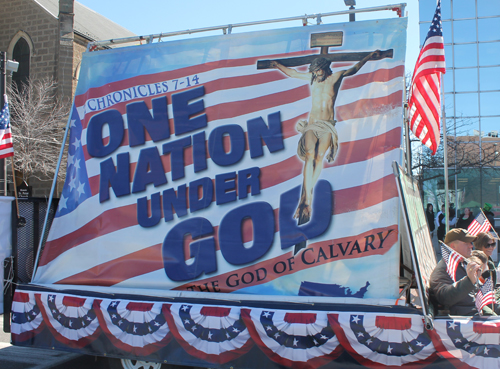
x,y
148,17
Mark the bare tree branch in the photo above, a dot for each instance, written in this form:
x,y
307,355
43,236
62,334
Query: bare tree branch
x,y
38,121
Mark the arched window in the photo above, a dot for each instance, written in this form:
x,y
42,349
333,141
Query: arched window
x,y
21,54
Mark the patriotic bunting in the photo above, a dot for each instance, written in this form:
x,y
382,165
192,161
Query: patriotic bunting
x,y
384,339
27,319
71,319
467,343
225,334
293,339
215,334
139,328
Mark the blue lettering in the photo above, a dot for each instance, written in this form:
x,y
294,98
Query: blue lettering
x,y
143,217
118,178
202,250
207,189
114,120
139,120
231,238
271,135
216,144
183,110
149,169
176,151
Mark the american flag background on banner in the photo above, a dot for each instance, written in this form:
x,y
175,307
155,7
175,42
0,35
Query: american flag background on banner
x,y
104,235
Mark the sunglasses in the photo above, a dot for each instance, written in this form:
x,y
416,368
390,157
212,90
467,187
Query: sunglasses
x,y
490,245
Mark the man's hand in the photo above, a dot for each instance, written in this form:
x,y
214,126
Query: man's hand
x,y
473,271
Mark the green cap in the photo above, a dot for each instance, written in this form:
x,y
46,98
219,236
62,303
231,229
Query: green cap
x,y
487,207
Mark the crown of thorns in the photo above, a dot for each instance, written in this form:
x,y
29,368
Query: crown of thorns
x,y
319,63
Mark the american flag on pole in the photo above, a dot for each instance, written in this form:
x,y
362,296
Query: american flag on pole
x,y
93,241
6,146
452,260
479,224
424,108
485,296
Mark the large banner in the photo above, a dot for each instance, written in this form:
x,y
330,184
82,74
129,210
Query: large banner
x,y
256,163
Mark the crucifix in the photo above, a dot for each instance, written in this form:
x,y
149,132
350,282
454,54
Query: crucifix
x,y
319,134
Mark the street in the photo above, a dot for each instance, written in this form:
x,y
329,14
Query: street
x,y
14,357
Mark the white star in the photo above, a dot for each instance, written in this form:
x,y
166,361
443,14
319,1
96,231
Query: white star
x,y
149,329
210,335
194,328
315,342
70,159
355,319
54,311
77,164
135,329
236,330
466,346
187,321
458,340
88,318
81,189
72,184
389,349
113,316
51,297
76,144
70,323
452,325
33,313
120,322
420,344
184,308
360,334
486,350
276,335
295,342
323,337
227,335
369,341
72,123
266,314
269,328
13,317
157,324
114,303
410,349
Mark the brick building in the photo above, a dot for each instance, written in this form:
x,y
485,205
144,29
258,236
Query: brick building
x,y
48,38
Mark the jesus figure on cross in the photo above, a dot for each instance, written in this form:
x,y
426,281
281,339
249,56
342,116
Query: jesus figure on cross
x,y
318,132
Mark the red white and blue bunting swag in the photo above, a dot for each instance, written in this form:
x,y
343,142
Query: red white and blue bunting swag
x,y
220,334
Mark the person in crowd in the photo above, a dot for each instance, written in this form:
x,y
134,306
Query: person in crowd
x,y
457,297
429,213
481,258
452,221
486,243
489,214
441,226
465,219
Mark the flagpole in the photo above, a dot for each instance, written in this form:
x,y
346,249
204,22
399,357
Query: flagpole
x,y
14,185
445,164
491,225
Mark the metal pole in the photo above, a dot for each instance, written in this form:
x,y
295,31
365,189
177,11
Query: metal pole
x,y
352,16
395,7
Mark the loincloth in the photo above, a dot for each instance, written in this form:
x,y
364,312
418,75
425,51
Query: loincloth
x,y
319,128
